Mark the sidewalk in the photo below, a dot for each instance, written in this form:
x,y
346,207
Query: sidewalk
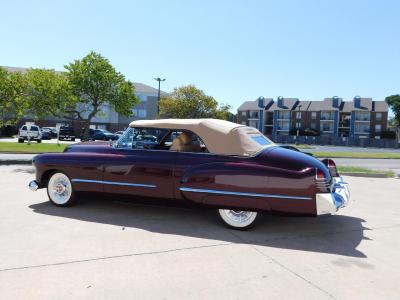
x,y
16,159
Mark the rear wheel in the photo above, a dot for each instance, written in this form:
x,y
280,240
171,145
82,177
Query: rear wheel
x,y
59,190
39,141
20,140
238,219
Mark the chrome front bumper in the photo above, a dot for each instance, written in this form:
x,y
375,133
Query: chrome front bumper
x,y
33,185
330,203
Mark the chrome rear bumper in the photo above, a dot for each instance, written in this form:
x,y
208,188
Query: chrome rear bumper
x,y
330,203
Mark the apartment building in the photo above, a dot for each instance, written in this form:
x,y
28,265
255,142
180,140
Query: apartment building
x,y
358,118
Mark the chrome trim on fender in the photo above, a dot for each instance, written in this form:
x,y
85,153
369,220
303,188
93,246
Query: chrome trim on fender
x,y
185,189
113,183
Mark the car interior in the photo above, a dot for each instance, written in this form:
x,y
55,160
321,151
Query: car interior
x,y
162,139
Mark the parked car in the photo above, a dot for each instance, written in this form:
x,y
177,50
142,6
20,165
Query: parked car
x,y
46,135
230,167
52,130
102,134
119,133
66,133
30,132
290,147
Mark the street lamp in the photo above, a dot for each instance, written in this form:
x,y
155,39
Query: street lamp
x,y
158,99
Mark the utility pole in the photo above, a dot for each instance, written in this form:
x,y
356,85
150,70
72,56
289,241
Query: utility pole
x,y
159,90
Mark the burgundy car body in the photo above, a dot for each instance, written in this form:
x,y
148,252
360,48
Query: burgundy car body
x,y
275,180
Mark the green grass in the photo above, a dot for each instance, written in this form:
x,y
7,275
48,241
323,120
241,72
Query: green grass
x,y
303,146
352,169
34,147
356,155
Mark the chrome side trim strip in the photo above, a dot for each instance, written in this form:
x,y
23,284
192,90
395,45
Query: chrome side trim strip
x,y
185,189
114,183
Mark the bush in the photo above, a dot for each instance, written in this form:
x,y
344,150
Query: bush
x,y
8,130
388,135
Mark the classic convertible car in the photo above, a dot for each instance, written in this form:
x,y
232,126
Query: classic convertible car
x,y
230,167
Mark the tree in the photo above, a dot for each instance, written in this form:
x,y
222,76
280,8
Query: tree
x,y
81,92
13,104
95,83
394,103
189,102
50,94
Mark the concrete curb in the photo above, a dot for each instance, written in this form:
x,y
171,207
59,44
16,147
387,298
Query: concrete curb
x,y
361,174
4,162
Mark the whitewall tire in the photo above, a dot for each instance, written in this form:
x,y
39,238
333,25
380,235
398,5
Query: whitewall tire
x,y
238,219
60,190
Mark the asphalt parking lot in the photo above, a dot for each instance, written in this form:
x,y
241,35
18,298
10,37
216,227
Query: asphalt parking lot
x,y
114,250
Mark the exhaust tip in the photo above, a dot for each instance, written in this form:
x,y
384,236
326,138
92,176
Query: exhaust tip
x,y
33,185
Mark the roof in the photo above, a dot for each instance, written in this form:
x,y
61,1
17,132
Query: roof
x,y
254,105
249,105
144,88
362,104
139,87
381,106
302,106
284,104
220,137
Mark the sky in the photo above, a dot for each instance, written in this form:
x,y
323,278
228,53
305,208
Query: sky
x,y
233,50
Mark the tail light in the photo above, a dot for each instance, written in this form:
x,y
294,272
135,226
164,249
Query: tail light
x,y
332,168
321,181
320,175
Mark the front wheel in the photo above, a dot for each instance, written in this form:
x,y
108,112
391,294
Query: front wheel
x,y
238,219
59,190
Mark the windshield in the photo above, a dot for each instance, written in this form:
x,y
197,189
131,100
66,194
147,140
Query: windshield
x,y
141,138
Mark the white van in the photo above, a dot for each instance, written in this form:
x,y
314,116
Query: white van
x,y
31,132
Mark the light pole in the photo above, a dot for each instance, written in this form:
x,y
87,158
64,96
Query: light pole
x,y
298,129
159,90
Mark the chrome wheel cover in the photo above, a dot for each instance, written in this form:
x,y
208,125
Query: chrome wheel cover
x,y
59,188
237,218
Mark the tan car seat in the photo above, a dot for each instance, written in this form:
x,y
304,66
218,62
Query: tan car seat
x,y
184,143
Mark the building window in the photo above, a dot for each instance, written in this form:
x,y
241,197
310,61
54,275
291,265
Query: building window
x,y
254,115
143,98
378,116
327,126
253,123
298,125
244,113
142,113
361,128
284,115
362,115
313,125
327,115
298,115
283,125
378,128
314,115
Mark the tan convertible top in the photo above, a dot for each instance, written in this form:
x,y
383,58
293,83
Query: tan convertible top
x,y
220,137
